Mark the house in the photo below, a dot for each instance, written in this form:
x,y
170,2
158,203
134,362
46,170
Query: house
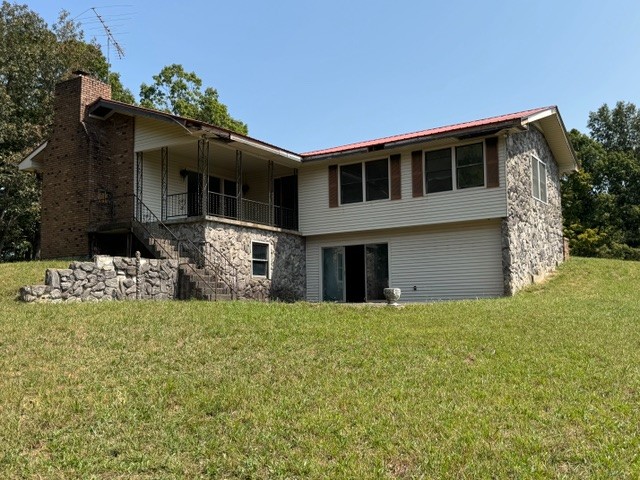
x,y
464,211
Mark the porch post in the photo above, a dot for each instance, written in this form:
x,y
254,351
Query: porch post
x,y
203,175
139,171
270,189
239,194
164,181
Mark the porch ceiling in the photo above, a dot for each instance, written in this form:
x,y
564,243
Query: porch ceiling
x,y
225,155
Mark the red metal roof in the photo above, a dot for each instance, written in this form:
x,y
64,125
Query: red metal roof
x,y
430,132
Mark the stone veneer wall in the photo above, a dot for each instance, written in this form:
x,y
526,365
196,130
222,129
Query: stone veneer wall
x,y
532,238
107,278
287,262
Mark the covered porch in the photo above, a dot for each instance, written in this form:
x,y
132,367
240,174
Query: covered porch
x,y
210,178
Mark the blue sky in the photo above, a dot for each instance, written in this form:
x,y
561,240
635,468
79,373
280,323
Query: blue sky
x,y
309,75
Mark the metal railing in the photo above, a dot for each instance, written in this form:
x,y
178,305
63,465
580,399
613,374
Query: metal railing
x,y
146,225
256,212
284,217
226,206
177,205
223,205
221,268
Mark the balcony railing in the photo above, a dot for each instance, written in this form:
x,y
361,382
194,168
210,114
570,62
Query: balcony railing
x,y
220,205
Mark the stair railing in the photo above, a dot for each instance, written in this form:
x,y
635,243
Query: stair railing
x,y
110,209
222,270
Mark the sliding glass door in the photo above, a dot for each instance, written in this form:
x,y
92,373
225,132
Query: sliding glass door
x,y
333,274
355,273
376,270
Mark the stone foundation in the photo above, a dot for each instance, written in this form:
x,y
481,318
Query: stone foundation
x,y
532,240
107,278
287,259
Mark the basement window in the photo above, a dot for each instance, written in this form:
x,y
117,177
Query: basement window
x,y
260,259
539,179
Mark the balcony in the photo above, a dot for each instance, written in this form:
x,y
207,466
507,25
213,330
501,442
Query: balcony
x,y
183,205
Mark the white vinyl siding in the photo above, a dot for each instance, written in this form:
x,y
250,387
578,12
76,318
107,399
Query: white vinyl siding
x,y
316,218
152,134
151,181
442,262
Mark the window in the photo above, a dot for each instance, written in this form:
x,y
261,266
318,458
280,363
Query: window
x,y
377,178
368,180
438,170
539,179
468,171
351,183
470,166
260,259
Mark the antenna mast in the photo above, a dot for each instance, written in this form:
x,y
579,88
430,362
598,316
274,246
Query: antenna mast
x,y
110,38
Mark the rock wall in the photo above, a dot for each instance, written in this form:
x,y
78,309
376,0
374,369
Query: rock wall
x,y
286,280
532,239
107,278
287,260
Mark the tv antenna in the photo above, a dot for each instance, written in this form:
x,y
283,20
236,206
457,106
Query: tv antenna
x,y
111,40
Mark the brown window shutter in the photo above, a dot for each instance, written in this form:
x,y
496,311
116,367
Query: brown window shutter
x,y
416,173
396,186
333,186
493,172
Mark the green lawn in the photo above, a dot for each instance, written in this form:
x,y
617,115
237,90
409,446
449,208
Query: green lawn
x,y
542,385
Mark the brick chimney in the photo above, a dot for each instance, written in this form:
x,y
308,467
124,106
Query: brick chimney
x,y
69,168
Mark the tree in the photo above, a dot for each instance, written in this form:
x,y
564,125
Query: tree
x,y
179,92
601,203
617,129
19,213
33,58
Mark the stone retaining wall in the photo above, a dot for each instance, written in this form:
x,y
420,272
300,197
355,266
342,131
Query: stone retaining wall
x,y
107,278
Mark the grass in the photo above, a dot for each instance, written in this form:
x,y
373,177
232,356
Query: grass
x,y
542,385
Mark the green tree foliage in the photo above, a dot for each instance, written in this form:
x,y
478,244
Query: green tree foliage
x,y
601,203
179,92
33,58
19,213
617,129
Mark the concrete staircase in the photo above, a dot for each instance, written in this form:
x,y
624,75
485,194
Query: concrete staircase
x,y
194,281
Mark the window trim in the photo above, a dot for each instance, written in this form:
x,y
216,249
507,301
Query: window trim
x,y
262,260
363,171
454,167
541,182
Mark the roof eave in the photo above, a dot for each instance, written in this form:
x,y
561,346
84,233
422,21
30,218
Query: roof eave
x,y
193,127
30,162
483,130
556,135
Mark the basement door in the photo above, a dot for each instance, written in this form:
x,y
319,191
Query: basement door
x,y
355,273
